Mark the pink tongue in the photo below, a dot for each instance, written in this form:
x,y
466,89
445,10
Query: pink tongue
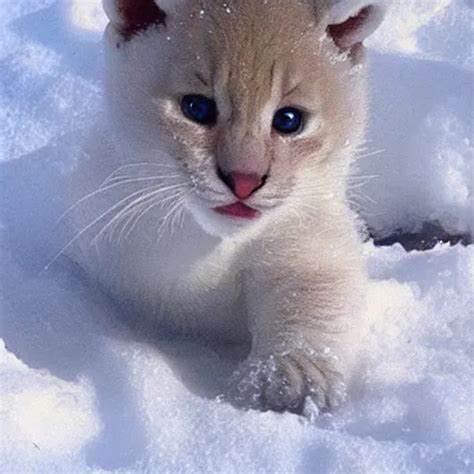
x,y
238,209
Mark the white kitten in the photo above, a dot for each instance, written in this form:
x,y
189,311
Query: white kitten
x,y
217,184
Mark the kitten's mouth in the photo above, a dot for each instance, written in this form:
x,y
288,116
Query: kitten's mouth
x,y
238,210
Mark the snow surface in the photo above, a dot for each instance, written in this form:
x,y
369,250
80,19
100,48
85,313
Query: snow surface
x,y
81,392
422,119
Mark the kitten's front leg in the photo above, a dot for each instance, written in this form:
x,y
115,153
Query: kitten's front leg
x,y
300,316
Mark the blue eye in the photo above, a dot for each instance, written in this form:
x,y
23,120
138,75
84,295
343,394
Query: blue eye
x,y
199,109
288,120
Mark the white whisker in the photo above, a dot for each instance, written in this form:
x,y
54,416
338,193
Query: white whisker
x,y
97,220
95,193
372,153
124,179
141,211
136,165
367,177
176,206
93,223
123,212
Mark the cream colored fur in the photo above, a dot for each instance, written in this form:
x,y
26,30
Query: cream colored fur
x,y
293,281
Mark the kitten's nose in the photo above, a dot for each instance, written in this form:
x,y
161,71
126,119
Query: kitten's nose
x,y
242,184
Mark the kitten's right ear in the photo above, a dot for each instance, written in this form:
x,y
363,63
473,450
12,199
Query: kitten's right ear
x,y
131,16
351,22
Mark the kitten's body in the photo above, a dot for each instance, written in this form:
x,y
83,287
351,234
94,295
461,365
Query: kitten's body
x,y
291,280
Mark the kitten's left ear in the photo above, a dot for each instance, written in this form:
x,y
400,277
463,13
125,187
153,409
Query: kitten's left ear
x,y
350,26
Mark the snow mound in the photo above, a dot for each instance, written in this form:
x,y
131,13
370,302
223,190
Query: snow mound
x,y
108,399
420,148
46,421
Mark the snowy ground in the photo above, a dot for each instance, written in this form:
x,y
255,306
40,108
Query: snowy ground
x,y
80,392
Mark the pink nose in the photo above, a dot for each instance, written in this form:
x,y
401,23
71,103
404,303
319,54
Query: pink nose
x,y
242,184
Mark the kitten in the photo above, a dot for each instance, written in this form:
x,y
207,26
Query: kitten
x,y
214,191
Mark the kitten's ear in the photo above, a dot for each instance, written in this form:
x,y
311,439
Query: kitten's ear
x,y
349,27
131,16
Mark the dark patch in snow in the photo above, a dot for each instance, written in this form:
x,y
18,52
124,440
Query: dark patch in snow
x,y
431,234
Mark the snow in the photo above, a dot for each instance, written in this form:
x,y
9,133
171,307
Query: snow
x,y
421,122
29,398
82,392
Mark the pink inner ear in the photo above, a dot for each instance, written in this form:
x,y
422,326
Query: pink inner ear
x,y
344,33
139,14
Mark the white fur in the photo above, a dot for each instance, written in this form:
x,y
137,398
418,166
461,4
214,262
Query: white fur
x,y
292,281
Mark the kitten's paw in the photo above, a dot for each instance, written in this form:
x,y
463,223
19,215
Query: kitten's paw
x,y
284,382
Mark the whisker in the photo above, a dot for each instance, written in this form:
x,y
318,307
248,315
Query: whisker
x,y
141,211
363,196
356,186
146,163
92,194
182,217
124,179
360,177
93,223
135,165
160,230
175,218
129,206
134,212
372,153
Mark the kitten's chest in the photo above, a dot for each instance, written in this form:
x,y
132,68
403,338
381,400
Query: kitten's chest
x,y
186,278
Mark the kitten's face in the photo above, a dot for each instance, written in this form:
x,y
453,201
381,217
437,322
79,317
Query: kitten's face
x,y
256,109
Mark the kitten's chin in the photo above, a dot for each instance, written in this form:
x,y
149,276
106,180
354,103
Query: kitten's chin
x,y
218,223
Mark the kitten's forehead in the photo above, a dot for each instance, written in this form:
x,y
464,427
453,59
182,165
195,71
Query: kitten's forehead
x,y
249,25
254,47
250,32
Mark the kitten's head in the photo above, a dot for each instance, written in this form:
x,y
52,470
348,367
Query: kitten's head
x,y
256,104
